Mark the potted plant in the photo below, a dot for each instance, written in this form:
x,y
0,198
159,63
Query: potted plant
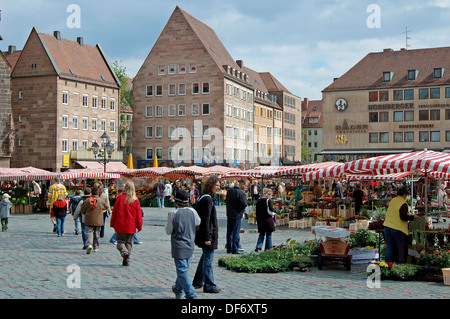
x,y
404,271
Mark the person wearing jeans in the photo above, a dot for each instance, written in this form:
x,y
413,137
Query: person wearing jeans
x,y
181,226
236,202
207,237
159,189
264,218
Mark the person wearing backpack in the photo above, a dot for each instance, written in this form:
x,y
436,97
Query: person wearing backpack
x,y
73,203
207,237
92,210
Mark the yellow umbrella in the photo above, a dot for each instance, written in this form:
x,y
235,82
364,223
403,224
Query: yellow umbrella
x,y
155,162
130,161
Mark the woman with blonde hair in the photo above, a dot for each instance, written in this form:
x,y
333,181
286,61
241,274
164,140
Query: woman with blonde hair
x,y
126,218
264,218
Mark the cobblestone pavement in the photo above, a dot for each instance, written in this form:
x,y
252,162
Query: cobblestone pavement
x,y
35,263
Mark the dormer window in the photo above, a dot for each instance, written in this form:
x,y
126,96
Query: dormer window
x,y
387,76
412,75
437,73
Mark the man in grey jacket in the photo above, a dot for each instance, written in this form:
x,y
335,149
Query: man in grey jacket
x,y
181,225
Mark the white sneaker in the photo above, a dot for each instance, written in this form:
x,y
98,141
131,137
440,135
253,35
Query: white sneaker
x,y
89,249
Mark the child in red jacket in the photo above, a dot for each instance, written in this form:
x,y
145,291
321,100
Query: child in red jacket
x,y
60,212
126,218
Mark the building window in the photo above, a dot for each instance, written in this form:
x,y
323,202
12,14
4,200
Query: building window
x,y
112,126
158,152
435,136
205,88
65,146
409,137
195,88
113,105
159,90
158,111
205,109
149,132
20,94
192,68
373,137
398,95
435,115
437,73
194,131
104,103
424,115
159,132
182,69
94,124
65,121
409,94
181,131
181,110
384,96
75,122
172,89
424,136
172,110
447,114
182,89
76,99
408,116
435,93
447,93
373,96
398,137
85,100
149,111
75,145
384,116
149,153
447,136
387,76
94,102
384,137
195,109
149,90
84,145
161,70
172,132
65,98
373,118
85,123
205,130
398,116
171,69
424,94
412,75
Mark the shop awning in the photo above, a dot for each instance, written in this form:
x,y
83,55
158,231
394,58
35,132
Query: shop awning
x,y
110,166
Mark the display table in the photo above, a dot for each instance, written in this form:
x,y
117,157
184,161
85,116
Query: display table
x,y
330,232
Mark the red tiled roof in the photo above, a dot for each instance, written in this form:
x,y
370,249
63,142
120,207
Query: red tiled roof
x,y
87,62
368,72
272,84
12,59
312,109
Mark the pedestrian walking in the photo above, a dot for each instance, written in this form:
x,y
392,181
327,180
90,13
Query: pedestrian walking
x,y
73,203
207,237
194,193
159,190
60,212
358,196
236,202
92,210
53,192
126,219
5,209
264,219
77,215
103,194
167,193
181,226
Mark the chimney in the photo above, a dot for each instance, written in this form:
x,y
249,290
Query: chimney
x,y
240,63
80,41
387,50
57,35
11,49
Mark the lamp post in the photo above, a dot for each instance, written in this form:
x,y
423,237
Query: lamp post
x,y
105,151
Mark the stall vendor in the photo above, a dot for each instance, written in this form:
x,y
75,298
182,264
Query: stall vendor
x,y
396,229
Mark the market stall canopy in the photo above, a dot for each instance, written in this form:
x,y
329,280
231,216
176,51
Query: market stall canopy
x,y
110,166
89,173
381,177
404,162
28,174
257,172
301,169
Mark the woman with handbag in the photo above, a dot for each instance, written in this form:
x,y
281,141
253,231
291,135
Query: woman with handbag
x,y
264,218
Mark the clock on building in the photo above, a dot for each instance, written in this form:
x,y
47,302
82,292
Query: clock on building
x,y
341,104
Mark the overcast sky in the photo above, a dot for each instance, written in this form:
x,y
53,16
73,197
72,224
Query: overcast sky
x,y
305,44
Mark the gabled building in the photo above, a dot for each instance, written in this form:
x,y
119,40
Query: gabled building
x,y
389,102
6,124
312,129
64,97
194,104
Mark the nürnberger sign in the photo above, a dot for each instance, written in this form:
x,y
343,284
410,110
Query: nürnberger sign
x,y
391,106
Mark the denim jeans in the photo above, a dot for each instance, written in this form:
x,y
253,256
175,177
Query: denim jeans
x,y
83,234
60,225
204,274
233,238
160,201
183,282
78,224
260,241
396,246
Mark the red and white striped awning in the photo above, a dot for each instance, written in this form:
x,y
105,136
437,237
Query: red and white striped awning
x,y
301,169
404,162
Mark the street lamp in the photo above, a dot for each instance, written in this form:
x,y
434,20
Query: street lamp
x,y
105,152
